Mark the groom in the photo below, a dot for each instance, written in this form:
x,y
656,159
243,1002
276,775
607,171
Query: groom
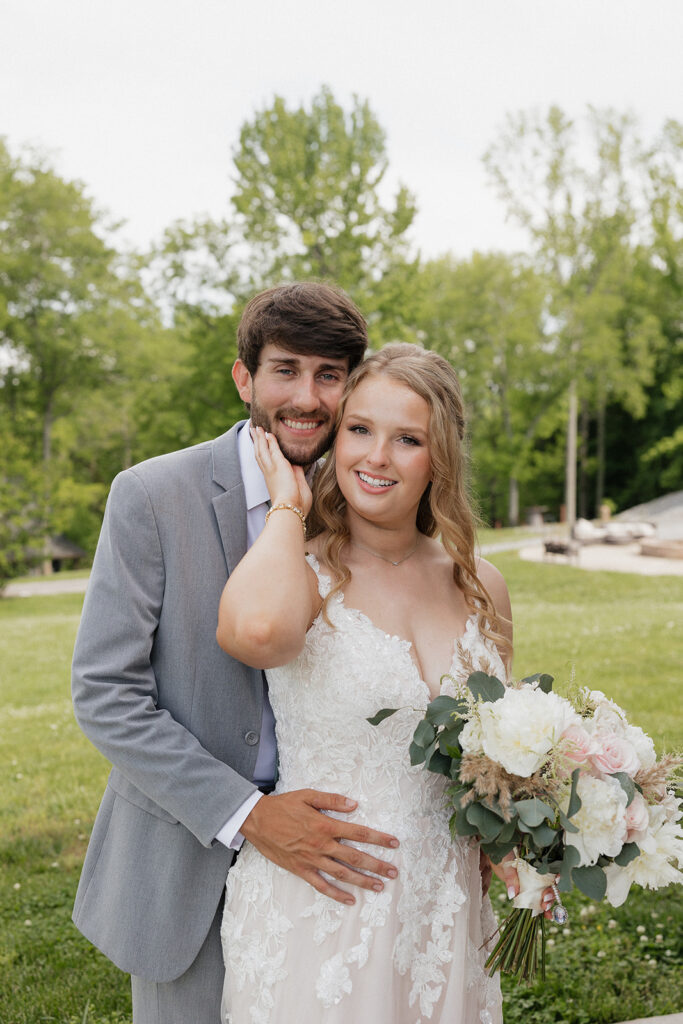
x,y
188,730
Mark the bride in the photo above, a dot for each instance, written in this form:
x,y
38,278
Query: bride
x,y
373,611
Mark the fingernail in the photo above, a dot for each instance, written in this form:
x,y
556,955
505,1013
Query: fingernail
x,y
349,803
394,843
511,892
392,873
377,886
349,903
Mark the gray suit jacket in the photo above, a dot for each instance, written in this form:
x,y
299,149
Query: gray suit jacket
x,y
177,717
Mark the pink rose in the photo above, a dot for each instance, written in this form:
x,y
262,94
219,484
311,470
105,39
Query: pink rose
x,y
614,754
577,744
637,819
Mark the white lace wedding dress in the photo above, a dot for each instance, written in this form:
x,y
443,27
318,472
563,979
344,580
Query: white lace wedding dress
x,y
412,953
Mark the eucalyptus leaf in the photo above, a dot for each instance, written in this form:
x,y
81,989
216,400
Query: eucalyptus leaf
x,y
460,826
570,860
424,734
543,835
627,784
488,824
545,682
417,754
628,852
508,831
439,763
449,740
574,799
381,715
497,849
442,710
567,825
534,811
486,688
591,881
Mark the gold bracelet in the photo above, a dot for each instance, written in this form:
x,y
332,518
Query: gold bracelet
x,y
292,508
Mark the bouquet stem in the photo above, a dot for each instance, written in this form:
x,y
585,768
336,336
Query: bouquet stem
x,y
516,951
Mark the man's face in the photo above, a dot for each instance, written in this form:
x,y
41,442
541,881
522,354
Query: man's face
x,y
295,397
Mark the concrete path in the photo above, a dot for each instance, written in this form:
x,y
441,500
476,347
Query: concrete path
x,y
46,587
609,557
672,1018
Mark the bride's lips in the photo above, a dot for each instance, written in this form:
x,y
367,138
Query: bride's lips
x,y
384,483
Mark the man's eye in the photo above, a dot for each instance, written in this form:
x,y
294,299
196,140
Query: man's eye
x,y
329,378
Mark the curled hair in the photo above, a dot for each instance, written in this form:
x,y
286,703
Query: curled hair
x,y
445,509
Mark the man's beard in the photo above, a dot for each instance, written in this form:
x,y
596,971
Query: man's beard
x,y
300,456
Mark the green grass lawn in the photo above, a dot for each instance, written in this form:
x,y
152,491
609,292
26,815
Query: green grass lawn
x,y
613,632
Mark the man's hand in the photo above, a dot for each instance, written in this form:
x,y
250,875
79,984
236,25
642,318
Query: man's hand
x,y
289,829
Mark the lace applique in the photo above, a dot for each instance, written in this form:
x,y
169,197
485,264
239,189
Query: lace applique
x,y
277,928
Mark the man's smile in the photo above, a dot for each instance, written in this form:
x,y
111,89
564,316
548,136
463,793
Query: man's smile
x,y
301,425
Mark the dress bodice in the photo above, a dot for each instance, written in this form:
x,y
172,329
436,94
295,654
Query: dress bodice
x,y
345,674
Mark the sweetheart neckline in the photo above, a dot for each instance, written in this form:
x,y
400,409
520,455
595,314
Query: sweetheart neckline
x,y
406,644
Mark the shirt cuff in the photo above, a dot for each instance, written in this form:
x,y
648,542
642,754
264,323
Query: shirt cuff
x,y
230,834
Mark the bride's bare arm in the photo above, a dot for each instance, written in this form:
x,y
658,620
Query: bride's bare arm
x,y
498,592
271,597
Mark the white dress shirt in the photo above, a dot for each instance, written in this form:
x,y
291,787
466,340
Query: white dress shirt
x,y
257,498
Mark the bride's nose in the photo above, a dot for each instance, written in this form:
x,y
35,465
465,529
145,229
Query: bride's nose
x,y
378,453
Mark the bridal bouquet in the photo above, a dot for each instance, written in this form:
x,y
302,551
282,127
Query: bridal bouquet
x,y
567,784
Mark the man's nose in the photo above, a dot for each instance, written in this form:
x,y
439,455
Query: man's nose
x,y
306,395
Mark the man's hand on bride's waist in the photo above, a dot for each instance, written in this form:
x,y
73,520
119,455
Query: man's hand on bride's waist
x,y
288,829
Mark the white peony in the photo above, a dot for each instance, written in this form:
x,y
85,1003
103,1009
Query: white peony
x,y
659,861
607,719
601,819
471,737
519,730
642,744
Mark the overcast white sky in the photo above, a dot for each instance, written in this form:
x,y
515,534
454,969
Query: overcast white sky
x,y
143,99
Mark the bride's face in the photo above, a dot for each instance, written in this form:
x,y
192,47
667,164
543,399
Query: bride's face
x,y
382,450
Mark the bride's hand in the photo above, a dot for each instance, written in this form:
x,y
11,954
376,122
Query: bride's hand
x,y
286,483
507,873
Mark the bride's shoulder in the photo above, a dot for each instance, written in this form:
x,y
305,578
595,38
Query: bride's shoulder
x,y
495,584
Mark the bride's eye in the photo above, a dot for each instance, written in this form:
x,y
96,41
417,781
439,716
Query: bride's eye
x,y
358,428
407,439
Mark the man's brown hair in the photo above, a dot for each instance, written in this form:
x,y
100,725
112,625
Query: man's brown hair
x,y
305,317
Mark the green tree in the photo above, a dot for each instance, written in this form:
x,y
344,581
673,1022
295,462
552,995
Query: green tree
x,y
486,316
308,199
585,216
65,294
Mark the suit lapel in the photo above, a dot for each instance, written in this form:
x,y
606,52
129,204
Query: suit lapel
x,y
230,507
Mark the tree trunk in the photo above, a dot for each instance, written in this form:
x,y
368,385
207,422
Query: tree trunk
x,y
47,455
570,474
513,501
600,475
584,423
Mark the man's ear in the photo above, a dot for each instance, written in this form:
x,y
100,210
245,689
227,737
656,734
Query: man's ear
x,y
242,379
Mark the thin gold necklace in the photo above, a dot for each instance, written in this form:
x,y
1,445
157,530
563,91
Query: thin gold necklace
x,y
384,557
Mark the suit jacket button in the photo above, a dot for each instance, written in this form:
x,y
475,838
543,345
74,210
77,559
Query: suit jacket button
x,y
251,738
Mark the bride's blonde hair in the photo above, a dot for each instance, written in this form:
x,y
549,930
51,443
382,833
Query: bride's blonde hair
x,y
445,508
